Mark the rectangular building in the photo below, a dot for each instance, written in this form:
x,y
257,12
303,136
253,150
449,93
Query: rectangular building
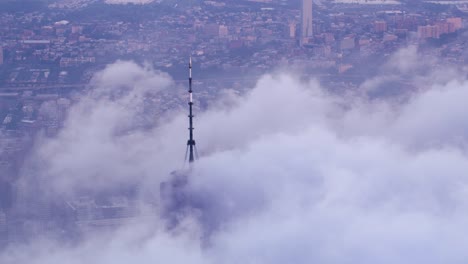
x,y
456,21
428,32
306,27
380,26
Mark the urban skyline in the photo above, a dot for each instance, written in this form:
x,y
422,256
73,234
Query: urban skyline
x,y
327,131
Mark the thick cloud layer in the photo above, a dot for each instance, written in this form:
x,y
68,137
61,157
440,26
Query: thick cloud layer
x,y
105,139
289,173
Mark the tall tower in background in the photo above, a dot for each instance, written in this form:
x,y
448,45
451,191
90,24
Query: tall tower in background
x,y
1,55
306,27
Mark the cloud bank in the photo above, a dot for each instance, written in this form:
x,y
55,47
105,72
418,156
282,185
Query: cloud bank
x,y
290,173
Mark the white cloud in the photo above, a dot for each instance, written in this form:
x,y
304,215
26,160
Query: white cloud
x,y
289,174
101,142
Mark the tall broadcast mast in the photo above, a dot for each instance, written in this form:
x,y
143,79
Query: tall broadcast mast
x,y
191,141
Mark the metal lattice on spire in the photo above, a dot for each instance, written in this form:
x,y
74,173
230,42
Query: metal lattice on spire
x,y
191,141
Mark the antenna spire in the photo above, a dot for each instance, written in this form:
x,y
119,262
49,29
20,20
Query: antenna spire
x,y
191,141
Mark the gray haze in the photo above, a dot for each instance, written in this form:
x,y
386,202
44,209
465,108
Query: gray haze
x,y
293,173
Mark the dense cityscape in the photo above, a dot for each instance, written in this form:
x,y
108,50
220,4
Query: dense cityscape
x,y
50,51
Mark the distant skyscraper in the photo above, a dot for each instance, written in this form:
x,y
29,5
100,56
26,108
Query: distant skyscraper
x,y
307,30
292,30
1,55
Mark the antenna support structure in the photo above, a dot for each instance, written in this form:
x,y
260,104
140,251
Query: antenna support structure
x,y
191,147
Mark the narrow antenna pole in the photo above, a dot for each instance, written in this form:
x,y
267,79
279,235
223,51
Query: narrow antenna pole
x,y
191,141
